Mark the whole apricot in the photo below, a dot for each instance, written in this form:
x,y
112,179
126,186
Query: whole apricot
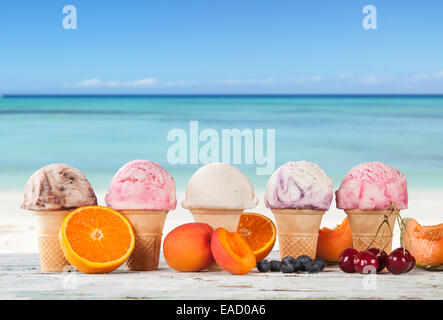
x,y
188,247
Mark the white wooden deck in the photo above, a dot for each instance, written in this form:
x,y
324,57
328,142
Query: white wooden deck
x,y
20,278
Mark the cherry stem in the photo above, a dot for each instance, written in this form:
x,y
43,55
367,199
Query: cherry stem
x,y
402,226
385,220
401,223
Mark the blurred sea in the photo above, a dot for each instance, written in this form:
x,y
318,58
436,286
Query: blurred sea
x,y
99,134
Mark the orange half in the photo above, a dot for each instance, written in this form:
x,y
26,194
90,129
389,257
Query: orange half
x,y
259,232
96,239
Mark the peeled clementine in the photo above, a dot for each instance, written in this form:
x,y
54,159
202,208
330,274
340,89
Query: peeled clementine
x,y
259,232
96,239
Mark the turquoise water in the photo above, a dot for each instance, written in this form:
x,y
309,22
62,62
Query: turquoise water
x,y
99,134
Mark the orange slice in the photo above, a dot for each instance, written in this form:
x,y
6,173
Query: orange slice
x,y
96,239
259,232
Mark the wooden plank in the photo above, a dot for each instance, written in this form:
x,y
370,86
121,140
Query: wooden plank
x,y
20,278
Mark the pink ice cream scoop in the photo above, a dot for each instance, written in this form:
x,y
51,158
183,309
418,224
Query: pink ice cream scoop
x,y
373,186
142,185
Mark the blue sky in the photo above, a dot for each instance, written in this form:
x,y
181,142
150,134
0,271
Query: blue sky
x,y
231,46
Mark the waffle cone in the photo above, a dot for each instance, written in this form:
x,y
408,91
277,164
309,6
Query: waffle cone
x,y
227,219
49,224
298,231
364,225
148,228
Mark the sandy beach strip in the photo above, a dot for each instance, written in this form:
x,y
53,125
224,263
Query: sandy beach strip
x,y
17,227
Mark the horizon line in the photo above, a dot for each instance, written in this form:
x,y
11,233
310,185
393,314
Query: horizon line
x,y
226,95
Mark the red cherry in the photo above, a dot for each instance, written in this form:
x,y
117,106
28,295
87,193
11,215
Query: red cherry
x,y
408,256
346,260
412,264
382,258
399,261
365,262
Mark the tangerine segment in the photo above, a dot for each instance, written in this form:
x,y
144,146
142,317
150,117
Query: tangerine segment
x,y
259,232
96,239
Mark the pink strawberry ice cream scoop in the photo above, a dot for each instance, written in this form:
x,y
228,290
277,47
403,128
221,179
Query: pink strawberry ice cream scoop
x,y
142,185
373,186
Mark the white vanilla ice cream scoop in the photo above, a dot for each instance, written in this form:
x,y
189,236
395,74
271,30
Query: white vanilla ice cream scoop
x,y
219,186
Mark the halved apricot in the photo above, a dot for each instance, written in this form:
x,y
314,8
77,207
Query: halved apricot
x,y
332,242
231,252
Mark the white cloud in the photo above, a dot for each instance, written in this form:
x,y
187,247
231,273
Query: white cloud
x,y
142,82
345,76
313,80
89,82
247,81
370,79
429,76
309,79
97,82
180,83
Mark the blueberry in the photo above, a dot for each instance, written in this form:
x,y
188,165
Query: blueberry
x,y
298,266
305,260
287,267
322,263
289,259
275,265
263,265
314,266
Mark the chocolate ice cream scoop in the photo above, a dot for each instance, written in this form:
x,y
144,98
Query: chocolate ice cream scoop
x,y
58,187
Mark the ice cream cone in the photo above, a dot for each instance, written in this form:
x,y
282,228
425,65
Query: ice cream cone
x,y
227,219
298,231
364,226
49,224
148,228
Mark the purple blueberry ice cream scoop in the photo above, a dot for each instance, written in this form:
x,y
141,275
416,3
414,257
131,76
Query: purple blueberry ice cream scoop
x,y
299,185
